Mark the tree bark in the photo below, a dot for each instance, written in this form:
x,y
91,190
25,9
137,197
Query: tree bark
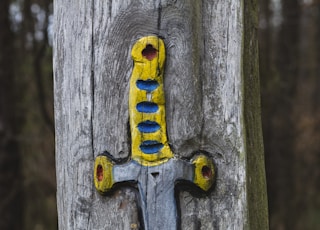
x,y
212,104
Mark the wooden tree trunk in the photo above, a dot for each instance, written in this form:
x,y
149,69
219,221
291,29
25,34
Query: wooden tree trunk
x,y
212,104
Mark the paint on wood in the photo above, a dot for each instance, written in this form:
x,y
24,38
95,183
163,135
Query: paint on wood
x,y
147,102
207,46
153,169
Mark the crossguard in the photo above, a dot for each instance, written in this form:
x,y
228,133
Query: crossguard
x,y
153,167
201,168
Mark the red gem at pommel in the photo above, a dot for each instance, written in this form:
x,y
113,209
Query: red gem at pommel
x,y
149,52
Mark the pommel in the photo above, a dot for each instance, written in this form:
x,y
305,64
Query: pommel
x,y
149,50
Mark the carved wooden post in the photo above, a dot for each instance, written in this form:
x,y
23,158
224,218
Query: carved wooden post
x,y
211,89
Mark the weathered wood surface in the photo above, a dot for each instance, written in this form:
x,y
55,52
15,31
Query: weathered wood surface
x,y
212,104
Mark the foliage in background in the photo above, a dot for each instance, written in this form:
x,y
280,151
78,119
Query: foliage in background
x,y
11,202
30,23
289,69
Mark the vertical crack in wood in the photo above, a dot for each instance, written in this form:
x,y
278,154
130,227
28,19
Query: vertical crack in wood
x,y
159,17
202,57
110,8
92,77
92,82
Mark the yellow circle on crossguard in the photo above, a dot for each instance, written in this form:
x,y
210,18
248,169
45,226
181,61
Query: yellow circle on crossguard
x,y
103,178
147,103
204,174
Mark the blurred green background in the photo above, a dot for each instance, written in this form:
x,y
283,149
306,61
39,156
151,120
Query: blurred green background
x,y
289,34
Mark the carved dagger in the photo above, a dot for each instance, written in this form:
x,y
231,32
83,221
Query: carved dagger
x,y
153,168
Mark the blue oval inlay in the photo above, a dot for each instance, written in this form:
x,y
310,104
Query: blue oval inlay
x,y
150,147
147,107
148,85
148,126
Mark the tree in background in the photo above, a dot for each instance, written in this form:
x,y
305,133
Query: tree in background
x,y
289,66
11,202
27,142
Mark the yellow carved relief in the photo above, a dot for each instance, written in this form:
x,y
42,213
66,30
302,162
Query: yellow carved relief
x,y
147,103
103,176
204,172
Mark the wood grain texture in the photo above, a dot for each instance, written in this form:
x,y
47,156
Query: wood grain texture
x,y
204,87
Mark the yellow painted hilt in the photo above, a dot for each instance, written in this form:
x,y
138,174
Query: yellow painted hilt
x,y
147,103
